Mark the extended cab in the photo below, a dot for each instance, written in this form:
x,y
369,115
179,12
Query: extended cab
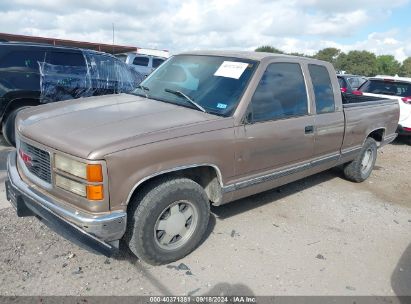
x,y
204,127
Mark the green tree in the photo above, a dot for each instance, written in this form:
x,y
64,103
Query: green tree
x,y
405,70
387,65
298,54
268,49
358,62
328,54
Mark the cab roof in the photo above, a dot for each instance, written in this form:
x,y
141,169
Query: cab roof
x,y
258,56
47,46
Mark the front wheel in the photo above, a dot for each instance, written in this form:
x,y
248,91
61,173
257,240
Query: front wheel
x,y
167,221
361,167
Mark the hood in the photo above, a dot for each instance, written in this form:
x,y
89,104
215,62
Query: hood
x,y
97,126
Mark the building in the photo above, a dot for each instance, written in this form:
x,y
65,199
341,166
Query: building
x,y
107,48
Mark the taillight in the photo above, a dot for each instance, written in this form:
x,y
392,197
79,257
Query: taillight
x,y
406,100
356,92
406,129
344,90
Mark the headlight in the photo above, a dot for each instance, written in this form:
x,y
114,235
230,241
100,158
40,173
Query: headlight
x,y
90,172
70,185
70,166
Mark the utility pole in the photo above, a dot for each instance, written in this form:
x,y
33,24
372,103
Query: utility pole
x,y
113,37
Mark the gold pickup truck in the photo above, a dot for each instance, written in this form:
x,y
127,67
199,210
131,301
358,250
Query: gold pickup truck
x,y
204,128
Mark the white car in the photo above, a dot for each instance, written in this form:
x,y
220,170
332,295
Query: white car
x,y
142,63
396,88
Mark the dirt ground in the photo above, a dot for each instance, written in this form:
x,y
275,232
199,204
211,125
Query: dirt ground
x,y
319,236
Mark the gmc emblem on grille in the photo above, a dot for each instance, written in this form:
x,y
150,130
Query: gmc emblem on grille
x,y
27,159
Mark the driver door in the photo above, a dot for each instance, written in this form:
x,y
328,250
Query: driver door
x,y
280,129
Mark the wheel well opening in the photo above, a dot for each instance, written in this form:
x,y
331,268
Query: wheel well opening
x,y
205,176
377,135
19,103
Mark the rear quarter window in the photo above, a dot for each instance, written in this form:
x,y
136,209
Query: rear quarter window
x,y
323,89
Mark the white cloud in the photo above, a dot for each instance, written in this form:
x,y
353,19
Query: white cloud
x,y
349,5
293,25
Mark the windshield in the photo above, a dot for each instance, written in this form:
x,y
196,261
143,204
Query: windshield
x,y
387,87
216,84
356,82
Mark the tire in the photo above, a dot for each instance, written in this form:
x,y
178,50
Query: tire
x,y
9,127
361,167
158,212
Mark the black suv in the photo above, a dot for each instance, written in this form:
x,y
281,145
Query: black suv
x,y
34,74
350,83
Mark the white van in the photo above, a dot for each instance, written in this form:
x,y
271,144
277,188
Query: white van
x,y
142,63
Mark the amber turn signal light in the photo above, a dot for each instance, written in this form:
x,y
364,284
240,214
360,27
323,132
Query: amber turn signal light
x,y
94,173
95,192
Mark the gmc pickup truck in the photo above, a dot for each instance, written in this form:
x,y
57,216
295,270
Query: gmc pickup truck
x,y
204,128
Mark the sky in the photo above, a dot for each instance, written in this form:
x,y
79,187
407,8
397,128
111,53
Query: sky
x,y
303,26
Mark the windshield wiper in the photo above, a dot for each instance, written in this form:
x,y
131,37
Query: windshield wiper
x,y
144,89
188,98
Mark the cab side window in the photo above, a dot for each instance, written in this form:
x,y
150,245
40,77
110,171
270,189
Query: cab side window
x,y
281,93
22,58
139,60
66,58
157,62
323,89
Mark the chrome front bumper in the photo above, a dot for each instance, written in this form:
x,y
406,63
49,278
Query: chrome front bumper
x,y
100,232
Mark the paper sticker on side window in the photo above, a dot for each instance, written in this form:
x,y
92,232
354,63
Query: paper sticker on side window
x,y
231,69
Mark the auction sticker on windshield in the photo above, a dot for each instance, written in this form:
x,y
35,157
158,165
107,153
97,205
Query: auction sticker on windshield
x,y
231,69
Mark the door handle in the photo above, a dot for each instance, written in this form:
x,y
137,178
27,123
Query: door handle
x,y
309,129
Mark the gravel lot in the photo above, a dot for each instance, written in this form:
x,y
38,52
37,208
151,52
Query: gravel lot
x,y
319,236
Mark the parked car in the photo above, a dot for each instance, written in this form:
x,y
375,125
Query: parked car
x,y
144,167
142,63
398,88
32,74
350,83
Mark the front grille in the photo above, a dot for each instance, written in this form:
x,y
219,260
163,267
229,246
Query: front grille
x,y
37,161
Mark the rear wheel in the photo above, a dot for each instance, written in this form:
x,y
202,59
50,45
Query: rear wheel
x,y
167,221
361,167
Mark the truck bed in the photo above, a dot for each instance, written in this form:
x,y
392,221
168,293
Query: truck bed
x,y
366,114
352,99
